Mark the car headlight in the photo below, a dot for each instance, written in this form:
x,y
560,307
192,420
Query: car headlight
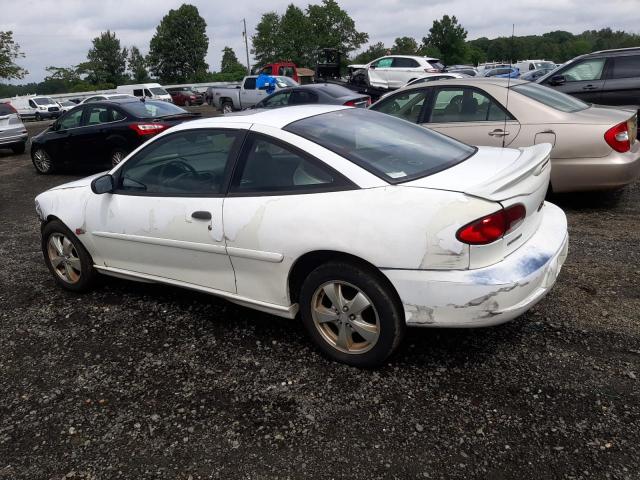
x,y
42,108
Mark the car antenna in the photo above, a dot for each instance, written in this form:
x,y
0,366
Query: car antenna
x,y
506,106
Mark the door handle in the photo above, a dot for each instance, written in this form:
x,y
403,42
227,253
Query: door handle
x,y
201,215
589,87
498,133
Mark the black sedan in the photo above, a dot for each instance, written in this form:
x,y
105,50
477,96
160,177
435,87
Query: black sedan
x,y
321,93
100,134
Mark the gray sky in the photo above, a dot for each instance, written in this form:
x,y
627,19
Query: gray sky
x,y
59,32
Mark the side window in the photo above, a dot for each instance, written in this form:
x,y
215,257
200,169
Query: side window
x,y
586,70
71,119
250,83
407,105
117,115
147,93
626,67
137,92
32,104
271,166
405,63
97,115
302,97
278,100
384,63
285,71
191,162
466,105
532,66
268,70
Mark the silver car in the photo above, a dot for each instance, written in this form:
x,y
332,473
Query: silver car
x,y
13,134
594,147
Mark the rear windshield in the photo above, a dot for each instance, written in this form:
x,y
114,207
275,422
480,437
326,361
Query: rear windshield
x,y
158,91
6,109
151,109
286,82
336,91
436,64
547,65
43,101
550,97
391,148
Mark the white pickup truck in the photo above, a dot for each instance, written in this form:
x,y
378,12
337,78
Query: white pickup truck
x,y
245,95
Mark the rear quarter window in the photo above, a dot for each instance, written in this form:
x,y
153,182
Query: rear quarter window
x,y
550,97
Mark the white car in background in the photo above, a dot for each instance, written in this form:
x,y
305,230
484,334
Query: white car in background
x,y
361,222
66,105
394,71
13,134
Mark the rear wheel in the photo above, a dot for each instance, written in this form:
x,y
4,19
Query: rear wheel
x,y
19,148
351,314
38,117
227,107
117,155
67,259
42,161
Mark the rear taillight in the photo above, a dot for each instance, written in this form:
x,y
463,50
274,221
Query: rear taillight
x,y
350,103
148,128
618,137
368,101
431,70
492,227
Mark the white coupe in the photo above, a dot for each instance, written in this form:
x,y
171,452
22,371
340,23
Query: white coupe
x,y
362,222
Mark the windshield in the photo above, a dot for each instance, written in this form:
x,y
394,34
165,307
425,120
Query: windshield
x,y
158,91
391,148
151,109
286,82
550,97
44,101
546,65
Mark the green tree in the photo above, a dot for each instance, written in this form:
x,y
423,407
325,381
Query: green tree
x,y
106,60
404,46
449,38
230,63
332,27
137,66
179,47
265,41
294,41
371,53
9,52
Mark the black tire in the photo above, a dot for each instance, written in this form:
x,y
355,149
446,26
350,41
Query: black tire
x,y
384,304
86,275
38,117
226,107
19,148
117,155
42,161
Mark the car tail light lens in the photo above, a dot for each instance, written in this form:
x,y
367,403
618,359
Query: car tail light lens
x,y
368,101
431,70
492,227
148,128
350,103
618,137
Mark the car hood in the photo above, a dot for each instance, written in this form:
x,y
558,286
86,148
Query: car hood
x,y
83,182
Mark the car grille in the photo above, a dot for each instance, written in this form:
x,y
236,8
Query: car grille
x,y
54,109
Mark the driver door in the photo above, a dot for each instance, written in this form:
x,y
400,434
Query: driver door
x,y
379,72
164,218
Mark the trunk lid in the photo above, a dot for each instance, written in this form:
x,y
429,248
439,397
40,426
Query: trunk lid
x,y
506,176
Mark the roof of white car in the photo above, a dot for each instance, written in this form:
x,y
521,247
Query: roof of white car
x,y
277,117
500,82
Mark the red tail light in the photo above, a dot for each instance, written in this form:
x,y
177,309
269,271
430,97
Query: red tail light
x,y
368,101
148,128
492,227
618,137
350,103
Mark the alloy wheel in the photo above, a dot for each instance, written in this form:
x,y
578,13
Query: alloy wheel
x,y
345,317
41,160
226,108
117,157
64,258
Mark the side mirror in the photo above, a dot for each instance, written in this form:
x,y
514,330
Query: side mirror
x,y
103,184
557,80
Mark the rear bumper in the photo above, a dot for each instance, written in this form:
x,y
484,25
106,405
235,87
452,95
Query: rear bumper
x,y
491,295
13,138
583,174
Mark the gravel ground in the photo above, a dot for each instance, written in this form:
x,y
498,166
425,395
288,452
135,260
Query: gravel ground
x,y
143,381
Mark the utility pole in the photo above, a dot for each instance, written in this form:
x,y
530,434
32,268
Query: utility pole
x,y
246,45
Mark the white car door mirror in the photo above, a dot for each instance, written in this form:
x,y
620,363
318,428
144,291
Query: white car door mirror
x,y
103,184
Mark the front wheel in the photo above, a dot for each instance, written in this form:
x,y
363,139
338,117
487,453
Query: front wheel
x,y
38,117
67,259
42,161
351,314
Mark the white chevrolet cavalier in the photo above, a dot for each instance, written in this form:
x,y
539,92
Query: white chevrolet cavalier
x,y
361,222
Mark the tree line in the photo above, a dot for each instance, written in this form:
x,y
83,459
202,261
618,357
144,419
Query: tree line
x,y
178,49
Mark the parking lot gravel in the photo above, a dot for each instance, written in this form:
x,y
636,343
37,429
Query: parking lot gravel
x,y
138,381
